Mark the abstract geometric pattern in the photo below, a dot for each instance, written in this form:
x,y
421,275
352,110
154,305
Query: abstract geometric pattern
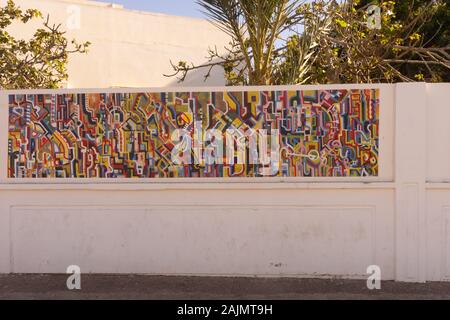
x,y
321,133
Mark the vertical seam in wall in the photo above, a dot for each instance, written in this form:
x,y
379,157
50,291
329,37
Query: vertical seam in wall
x,y
373,222
394,135
11,255
424,198
443,255
418,231
394,156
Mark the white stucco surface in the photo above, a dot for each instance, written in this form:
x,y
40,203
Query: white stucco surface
x,y
299,227
129,48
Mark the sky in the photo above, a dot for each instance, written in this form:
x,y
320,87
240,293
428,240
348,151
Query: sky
x,y
176,7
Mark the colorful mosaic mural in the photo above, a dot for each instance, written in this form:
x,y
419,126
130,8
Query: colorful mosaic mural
x,y
321,133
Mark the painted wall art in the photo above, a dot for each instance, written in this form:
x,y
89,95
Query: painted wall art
x,y
304,133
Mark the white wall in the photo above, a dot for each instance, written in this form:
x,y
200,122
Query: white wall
x,y
129,48
260,226
239,229
313,227
437,187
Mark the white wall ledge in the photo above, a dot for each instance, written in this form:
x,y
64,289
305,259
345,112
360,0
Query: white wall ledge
x,y
196,186
437,185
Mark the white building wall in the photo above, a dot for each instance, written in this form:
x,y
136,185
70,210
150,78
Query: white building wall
x,y
438,181
314,227
271,229
129,48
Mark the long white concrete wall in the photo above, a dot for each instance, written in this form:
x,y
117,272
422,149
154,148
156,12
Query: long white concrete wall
x,y
314,227
129,48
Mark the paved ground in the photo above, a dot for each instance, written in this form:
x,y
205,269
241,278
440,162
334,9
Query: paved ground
x,y
171,287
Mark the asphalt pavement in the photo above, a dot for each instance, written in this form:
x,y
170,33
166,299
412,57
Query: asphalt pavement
x,y
95,286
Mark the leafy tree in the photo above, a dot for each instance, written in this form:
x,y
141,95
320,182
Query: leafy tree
x,y
260,41
40,62
432,33
323,41
353,52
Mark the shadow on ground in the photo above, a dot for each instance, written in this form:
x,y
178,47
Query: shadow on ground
x,y
17,286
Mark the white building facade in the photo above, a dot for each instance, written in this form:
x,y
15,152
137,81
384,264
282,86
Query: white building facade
x,y
129,48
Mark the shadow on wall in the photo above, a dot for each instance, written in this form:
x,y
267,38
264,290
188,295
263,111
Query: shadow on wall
x,y
196,78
